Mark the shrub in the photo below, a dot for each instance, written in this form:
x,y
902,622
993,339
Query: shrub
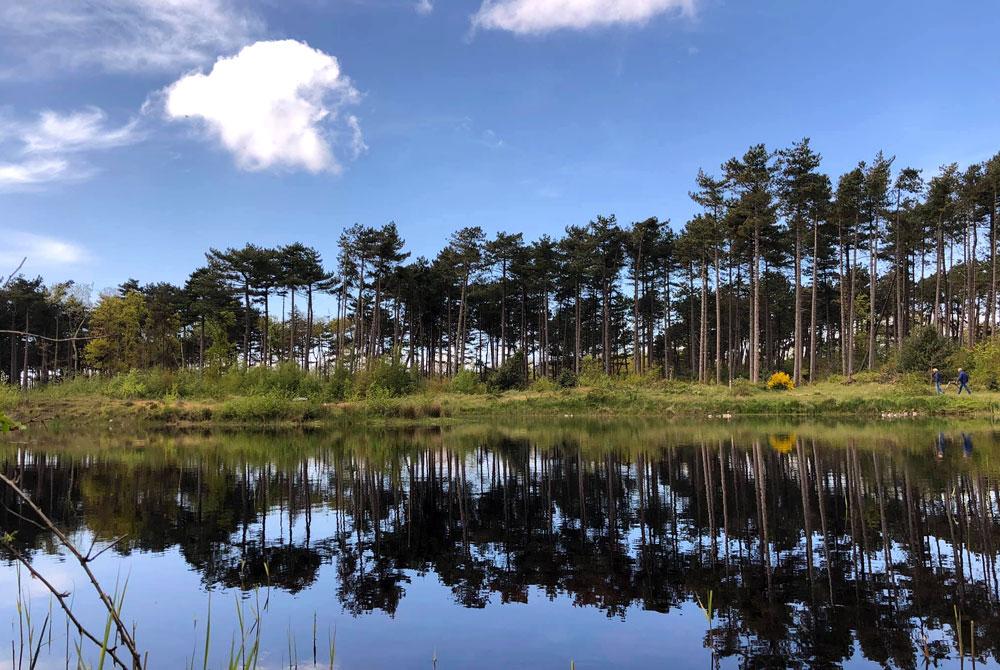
x,y
592,373
867,377
257,408
924,349
510,375
128,386
985,362
467,382
388,376
780,381
743,388
543,385
6,424
340,385
567,379
9,395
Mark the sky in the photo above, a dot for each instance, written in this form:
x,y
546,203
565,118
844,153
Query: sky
x,y
136,134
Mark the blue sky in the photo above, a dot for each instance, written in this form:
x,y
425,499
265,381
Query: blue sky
x,y
127,147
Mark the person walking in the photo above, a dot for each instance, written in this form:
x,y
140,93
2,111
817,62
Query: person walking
x,y
963,382
936,378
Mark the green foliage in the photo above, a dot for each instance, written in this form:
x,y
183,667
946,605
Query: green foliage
x,y
743,388
592,373
510,375
266,408
7,424
467,382
9,395
985,362
543,385
119,319
387,378
924,349
567,379
128,386
220,354
340,385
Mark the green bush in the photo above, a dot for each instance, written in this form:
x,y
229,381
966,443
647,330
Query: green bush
x,y
340,385
592,373
265,408
7,424
467,382
387,376
924,349
129,386
543,385
743,388
510,375
9,395
567,379
985,362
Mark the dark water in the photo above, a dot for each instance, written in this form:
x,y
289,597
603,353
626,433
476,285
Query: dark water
x,y
491,546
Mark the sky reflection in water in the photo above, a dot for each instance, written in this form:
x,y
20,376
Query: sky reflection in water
x,y
512,546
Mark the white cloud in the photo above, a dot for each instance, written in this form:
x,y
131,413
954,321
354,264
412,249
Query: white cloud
x,y
542,16
43,146
424,7
120,35
274,104
76,131
32,172
40,250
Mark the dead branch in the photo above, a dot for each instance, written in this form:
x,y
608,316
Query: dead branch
x,y
109,604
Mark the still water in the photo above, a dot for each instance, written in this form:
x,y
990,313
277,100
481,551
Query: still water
x,y
521,546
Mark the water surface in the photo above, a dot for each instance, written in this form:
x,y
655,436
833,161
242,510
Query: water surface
x,y
499,546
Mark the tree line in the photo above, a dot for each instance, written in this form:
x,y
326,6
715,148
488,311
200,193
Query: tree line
x,y
781,268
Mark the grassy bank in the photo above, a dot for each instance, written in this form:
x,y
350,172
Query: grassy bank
x,y
283,398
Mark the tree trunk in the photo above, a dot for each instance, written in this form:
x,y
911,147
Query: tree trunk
x,y
812,305
606,334
309,326
718,321
755,307
636,357
246,325
797,358
576,328
201,345
703,335
873,284
936,313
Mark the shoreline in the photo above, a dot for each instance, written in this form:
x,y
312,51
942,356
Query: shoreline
x,y
685,401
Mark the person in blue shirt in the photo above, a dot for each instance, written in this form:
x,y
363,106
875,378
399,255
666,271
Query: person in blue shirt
x,y
963,381
936,378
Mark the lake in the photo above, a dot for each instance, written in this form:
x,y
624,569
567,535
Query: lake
x,y
511,545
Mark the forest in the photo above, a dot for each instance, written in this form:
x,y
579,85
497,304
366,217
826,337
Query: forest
x,y
783,268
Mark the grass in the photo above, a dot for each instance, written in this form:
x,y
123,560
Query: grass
x,y
286,396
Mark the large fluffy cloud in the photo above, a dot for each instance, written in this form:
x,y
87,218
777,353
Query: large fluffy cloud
x,y
42,147
274,104
119,35
540,16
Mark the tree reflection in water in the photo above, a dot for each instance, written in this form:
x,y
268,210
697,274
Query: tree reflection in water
x,y
812,540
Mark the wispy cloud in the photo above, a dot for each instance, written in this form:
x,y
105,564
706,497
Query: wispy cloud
x,y
119,35
43,146
541,16
41,251
274,104
424,7
32,172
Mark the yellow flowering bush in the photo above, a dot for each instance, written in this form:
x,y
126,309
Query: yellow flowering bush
x,y
780,381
